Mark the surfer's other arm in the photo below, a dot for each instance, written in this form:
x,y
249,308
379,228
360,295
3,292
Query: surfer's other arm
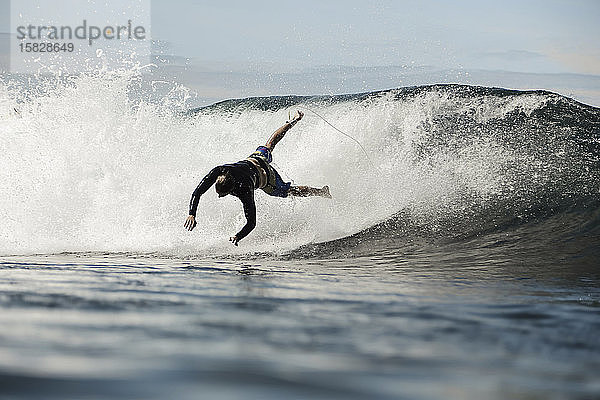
x,y
203,186
250,212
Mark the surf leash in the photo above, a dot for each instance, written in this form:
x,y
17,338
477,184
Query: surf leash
x,y
340,131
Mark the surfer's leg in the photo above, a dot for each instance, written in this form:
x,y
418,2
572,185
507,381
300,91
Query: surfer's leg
x,y
306,191
280,133
277,136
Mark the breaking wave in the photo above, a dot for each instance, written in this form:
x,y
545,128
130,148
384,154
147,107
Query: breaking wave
x,y
86,166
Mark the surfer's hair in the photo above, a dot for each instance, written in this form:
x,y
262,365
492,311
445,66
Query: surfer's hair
x,y
224,184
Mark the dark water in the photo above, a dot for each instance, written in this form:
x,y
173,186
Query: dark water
x,y
484,283
496,316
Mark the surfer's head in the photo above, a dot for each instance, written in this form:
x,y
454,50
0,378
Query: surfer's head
x,y
224,184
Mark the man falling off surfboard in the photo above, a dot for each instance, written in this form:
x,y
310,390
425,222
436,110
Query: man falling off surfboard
x,y
240,179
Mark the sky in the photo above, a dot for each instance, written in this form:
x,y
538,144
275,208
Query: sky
x,y
525,36
238,48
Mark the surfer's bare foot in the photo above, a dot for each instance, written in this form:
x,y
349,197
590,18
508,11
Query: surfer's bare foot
x,y
325,192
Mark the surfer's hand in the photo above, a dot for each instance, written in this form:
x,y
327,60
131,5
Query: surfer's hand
x,y
234,240
190,222
298,116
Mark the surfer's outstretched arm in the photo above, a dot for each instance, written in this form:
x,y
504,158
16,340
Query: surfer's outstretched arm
x,y
279,133
202,187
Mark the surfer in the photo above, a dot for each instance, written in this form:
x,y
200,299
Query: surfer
x,y
240,179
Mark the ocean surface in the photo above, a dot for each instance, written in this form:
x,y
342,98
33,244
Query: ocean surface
x,y
458,259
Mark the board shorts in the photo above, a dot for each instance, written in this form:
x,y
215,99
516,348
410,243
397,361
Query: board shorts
x,y
269,180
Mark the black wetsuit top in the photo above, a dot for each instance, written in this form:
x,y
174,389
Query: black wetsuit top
x,y
246,177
